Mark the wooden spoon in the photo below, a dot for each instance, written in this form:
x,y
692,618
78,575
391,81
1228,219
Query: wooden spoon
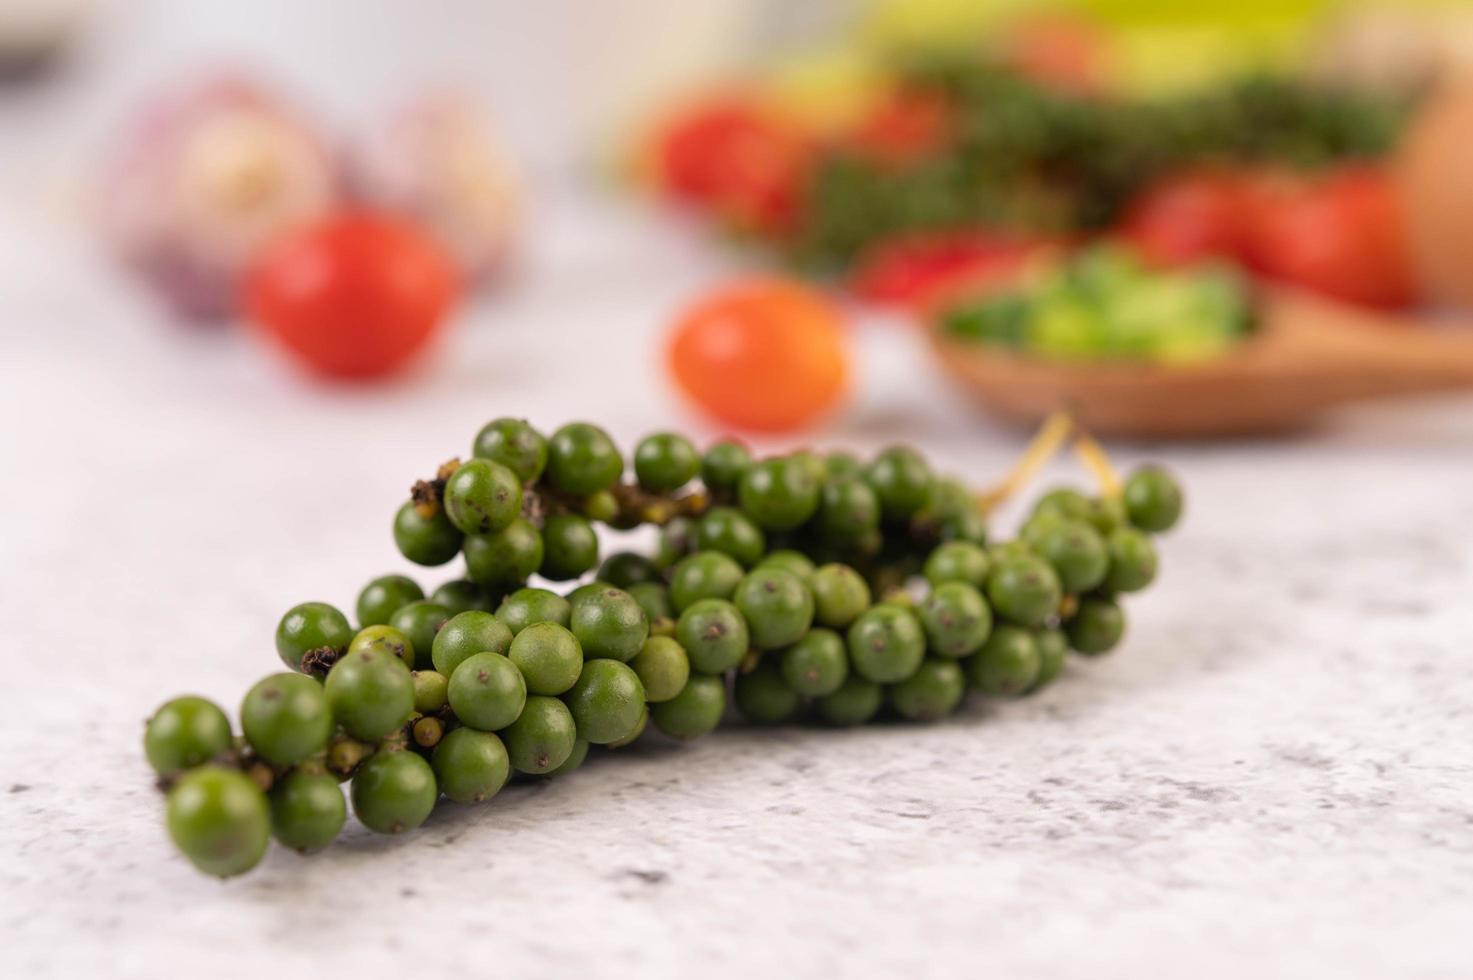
x,y
1309,355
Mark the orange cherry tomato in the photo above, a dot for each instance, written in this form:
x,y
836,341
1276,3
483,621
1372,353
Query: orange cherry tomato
x,y
765,355
355,295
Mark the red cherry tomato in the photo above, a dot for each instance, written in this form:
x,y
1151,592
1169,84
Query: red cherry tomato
x,y
737,159
909,271
1186,219
1060,50
355,295
1340,234
765,355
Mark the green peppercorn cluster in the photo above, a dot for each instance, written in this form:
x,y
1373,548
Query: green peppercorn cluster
x,y
796,587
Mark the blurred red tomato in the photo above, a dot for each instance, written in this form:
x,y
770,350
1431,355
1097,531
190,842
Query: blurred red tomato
x,y
355,295
1187,218
1060,50
737,158
909,271
1339,234
767,355
904,127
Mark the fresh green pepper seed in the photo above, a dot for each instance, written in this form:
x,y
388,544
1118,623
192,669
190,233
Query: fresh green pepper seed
x,y
1007,664
654,599
840,595
695,711
421,622
764,697
931,693
665,461
777,606
849,508
184,733
723,465
731,532
286,718
462,595
663,668
582,459
1024,589
507,557
634,733
220,819
542,738
387,639
482,495
514,444
957,620
606,702
1133,561
901,480
610,623
569,547
704,575
1153,499
487,691
527,606
549,657
370,693
789,560
465,635
1053,648
714,634
886,644
677,539
431,691
626,568
957,561
426,540
817,664
779,494
379,598
307,810
311,626
470,765
575,758
1096,626
855,702
393,792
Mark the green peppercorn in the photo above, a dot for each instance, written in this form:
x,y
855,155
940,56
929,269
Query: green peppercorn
x,y
931,693
1065,502
703,575
470,765
570,547
460,595
731,532
549,657
482,496
663,668
956,619
609,623
575,758
723,465
379,598
582,459
967,525
602,506
634,733
421,622
1107,514
902,482
1153,499
606,702
285,717
311,626
1077,553
426,540
625,568
220,819
184,733
677,539
777,606
1007,664
665,461
514,444
505,557
764,697
839,464
542,738
393,792
654,599
464,636
1053,647
695,711
791,561
779,494
371,693
817,664
1096,626
840,595
527,606
849,509
714,634
584,592
487,691
957,561
855,702
1132,561
307,810
387,639
1024,589
886,644
431,691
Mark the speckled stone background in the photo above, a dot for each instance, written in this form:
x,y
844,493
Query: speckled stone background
x,y
1274,776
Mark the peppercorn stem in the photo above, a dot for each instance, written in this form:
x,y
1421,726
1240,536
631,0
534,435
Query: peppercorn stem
x,y
1051,437
1097,461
